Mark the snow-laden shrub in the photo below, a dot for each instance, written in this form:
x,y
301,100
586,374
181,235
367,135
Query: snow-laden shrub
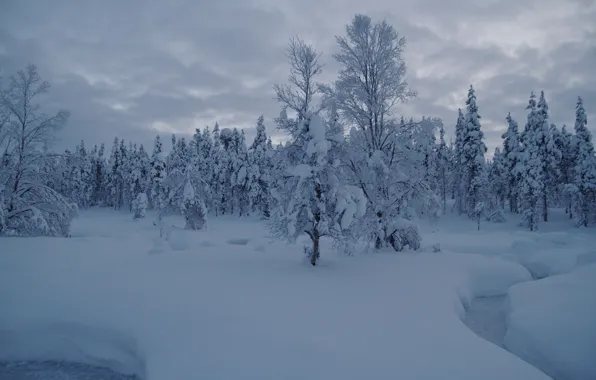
x,y
404,233
497,216
51,215
193,208
139,206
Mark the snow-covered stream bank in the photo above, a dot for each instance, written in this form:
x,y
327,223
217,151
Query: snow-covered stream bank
x,y
548,322
55,370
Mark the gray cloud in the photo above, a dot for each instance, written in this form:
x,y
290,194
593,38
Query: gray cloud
x,y
135,68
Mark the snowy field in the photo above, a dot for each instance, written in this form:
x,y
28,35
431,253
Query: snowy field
x,y
229,303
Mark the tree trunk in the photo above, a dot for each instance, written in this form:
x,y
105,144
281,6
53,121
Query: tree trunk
x,y
545,207
314,255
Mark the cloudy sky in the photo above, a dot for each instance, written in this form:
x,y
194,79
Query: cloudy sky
x,y
134,68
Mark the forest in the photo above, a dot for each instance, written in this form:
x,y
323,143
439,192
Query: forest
x,y
352,167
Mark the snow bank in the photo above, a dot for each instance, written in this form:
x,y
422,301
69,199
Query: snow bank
x,y
217,309
551,323
553,253
487,277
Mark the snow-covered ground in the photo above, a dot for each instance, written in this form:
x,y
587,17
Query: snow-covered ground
x,y
552,324
229,303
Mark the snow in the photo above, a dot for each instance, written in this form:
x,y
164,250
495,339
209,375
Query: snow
x,y
551,323
213,308
486,317
318,143
352,203
300,170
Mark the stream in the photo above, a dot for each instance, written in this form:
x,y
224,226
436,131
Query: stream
x,y
486,317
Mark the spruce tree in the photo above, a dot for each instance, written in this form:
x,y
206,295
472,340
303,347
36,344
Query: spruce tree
x,y
567,168
550,155
512,156
158,176
585,167
531,169
473,155
443,167
459,189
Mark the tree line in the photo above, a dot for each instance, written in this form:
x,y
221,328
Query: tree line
x,y
352,169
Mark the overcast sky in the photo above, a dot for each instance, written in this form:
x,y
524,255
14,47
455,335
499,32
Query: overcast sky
x,y
133,68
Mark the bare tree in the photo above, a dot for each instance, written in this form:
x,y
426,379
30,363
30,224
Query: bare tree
x,y
32,206
298,95
372,80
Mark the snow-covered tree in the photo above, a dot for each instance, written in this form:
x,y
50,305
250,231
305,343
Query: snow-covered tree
x,y
115,180
443,168
497,179
550,156
512,158
585,168
371,80
458,172
473,155
531,169
32,208
313,200
567,167
298,95
193,207
370,86
158,176
139,206
260,171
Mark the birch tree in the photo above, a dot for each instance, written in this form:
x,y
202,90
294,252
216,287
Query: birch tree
x,y
32,206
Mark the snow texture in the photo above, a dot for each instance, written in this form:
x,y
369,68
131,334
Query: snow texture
x,y
551,324
215,310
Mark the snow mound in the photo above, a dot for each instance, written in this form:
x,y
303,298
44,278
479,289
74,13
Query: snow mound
x,y
72,342
551,324
239,241
487,277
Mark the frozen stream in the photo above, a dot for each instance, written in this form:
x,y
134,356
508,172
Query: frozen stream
x,y
55,370
486,317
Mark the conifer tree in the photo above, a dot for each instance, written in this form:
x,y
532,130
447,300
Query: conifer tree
x,y
531,169
512,158
585,167
458,188
473,155
549,154
158,176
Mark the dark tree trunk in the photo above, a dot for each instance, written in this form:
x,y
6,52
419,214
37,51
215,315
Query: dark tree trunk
x,y
314,255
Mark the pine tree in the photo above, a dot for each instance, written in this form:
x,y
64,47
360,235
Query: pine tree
x,y
550,156
531,169
511,157
443,168
585,167
473,155
458,182
193,207
115,183
218,179
158,176
260,171
497,179
556,184
567,168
